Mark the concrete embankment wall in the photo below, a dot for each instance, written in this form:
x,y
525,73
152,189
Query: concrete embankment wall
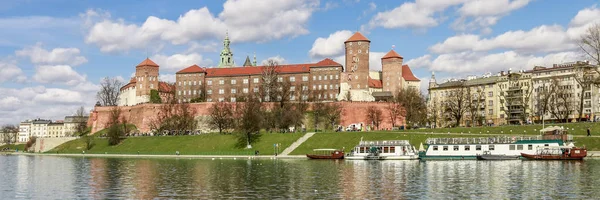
x,y
142,115
47,144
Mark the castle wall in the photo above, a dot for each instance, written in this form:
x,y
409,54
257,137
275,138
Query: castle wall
x,y
142,115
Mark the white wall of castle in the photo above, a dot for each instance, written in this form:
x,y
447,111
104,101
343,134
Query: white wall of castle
x,y
127,97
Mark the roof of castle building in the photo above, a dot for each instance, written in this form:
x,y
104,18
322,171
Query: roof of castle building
x,y
407,74
165,87
191,69
257,70
392,54
147,62
357,37
373,83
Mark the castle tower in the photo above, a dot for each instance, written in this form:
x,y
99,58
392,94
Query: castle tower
x,y
226,54
432,82
391,72
357,62
146,75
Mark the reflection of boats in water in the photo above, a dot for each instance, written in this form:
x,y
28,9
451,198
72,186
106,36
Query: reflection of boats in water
x,y
383,150
498,147
326,154
557,153
489,156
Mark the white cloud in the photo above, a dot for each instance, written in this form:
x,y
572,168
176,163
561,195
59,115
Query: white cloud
x,y
483,14
60,74
9,103
278,59
246,20
9,71
420,62
539,39
58,56
330,46
582,21
169,78
178,62
375,60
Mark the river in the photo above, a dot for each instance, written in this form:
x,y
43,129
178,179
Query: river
x,y
50,177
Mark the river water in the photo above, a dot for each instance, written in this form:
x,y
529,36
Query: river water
x,y
49,177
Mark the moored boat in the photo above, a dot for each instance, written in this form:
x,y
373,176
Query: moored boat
x,y
326,154
489,156
557,153
383,150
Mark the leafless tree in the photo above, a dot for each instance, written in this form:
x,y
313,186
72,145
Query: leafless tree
x,y
319,110
80,121
333,114
562,104
516,94
115,126
269,85
248,118
110,88
221,116
585,78
394,110
10,133
375,116
456,104
475,103
176,118
413,103
545,94
433,114
589,43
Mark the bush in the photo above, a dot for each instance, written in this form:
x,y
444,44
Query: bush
x,y
30,143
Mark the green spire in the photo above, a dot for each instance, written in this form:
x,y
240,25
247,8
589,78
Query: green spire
x,y
226,54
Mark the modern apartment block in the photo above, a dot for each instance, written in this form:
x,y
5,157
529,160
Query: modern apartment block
x,y
555,94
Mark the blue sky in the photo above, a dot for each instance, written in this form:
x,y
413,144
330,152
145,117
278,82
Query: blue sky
x,y
54,53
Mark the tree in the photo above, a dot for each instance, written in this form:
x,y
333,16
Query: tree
x,y
456,104
584,76
110,88
249,118
545,93
115,131
475,103
221,116
10,133
80,121
319,111
155,97
333,114
562,104
589,44
375,116
433,115
269,85
174,117
89,142
394,110
414,105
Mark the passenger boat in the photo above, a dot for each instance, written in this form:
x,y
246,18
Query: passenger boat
x,y
557,153
487,155
498,147
326,154
383,150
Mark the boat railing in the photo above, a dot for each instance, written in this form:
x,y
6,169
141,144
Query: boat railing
x,y
481,140
384,143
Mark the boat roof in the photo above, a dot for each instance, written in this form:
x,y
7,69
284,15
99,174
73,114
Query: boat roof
x,y
325,150
490,140
557,147
384,143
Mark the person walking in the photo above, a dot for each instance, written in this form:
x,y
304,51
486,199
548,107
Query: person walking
x,y
588,132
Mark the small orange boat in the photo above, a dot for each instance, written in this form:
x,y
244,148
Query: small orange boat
x,y
557,153
326,154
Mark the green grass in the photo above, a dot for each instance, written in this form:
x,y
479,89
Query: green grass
x,y
574,129
207,144
104,131
20,147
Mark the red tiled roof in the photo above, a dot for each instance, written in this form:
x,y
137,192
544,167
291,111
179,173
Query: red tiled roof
x,y
357,37
191,69
245,71
328,62
147,62
407,74
373,83
165,87
392,54
131,83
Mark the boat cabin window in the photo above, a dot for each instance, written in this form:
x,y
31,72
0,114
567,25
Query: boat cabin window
x,y
455,148
478,148
435,148
392,149
467,148
445,148
511,147
520,147
386,149
530,147
491,147
546,145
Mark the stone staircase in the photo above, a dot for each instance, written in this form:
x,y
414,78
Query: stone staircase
x,y
296,144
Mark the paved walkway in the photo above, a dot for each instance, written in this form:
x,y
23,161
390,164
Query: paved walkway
x,y
296,144
213,157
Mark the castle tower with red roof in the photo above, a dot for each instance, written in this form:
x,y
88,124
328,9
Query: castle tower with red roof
x,y
146,74
391,72
357,62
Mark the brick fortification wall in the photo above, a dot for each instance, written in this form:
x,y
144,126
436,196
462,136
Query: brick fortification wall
x,y
142,115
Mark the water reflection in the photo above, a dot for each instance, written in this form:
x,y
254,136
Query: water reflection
x,y
44,177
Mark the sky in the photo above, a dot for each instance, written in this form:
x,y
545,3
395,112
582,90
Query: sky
x,y
54,53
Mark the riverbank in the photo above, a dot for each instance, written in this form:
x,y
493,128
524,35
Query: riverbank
x,y
213,157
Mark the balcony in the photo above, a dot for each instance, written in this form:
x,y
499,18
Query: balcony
x,y
587,105
516,110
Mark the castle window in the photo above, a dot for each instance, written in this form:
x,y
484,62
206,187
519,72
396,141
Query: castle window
x,y
359,43
330,77
208,100
189,92
314,87
255,80
319,87
194,92
280,79
350,49
184,83
293,88
304,88
320,78
233,91
292,79
221,82
184,92
233,99
337,76
194,82
359,51
221,91
325,77
255,89
245,90
152,85
209,82
245,81
314,78
331,86
221,99
208,91
304,78
325,87
233,82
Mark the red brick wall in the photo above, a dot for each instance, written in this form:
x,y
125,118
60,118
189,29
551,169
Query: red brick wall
x,y
142,115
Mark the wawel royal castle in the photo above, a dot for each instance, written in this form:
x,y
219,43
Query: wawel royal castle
x,y
325,80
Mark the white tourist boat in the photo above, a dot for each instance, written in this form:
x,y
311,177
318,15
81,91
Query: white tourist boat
x,y
494,147
383,150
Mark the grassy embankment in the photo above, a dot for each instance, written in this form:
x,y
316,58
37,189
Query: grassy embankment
x,y
207,144
20,147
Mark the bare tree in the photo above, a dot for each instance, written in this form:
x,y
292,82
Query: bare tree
x,y
545,94
249,118
333,114
516,94
375,116
589,43
176,118
414,106
80,121
10,133
475,103
221,116
319,110
562,104
269,85
585,77
456,104
433,115
115,128
394,110
110,88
